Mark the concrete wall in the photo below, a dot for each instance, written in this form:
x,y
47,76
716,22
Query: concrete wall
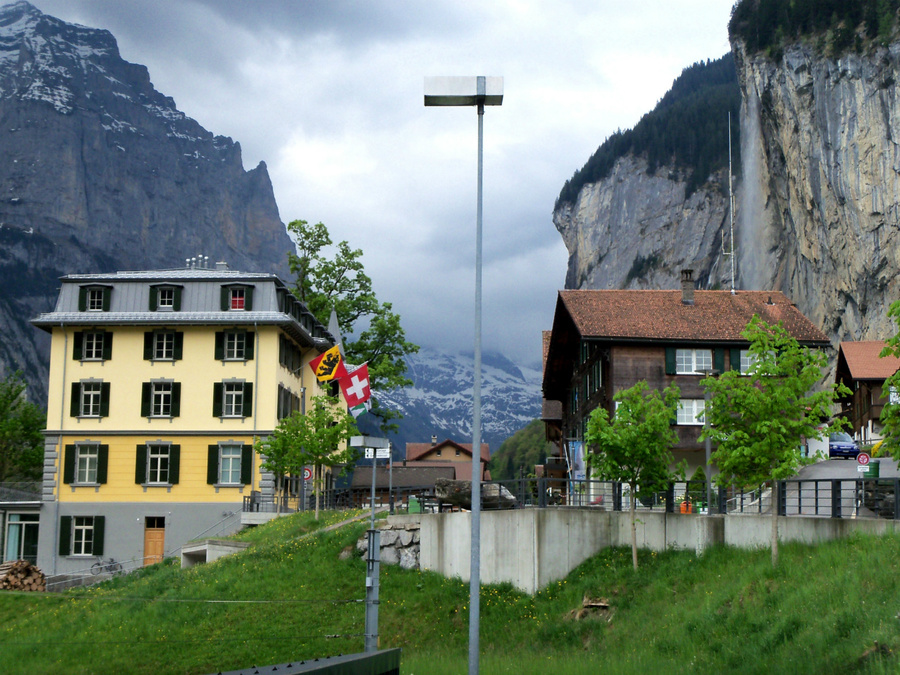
x,y
531,548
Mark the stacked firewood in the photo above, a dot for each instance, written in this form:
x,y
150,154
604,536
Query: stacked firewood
x,y
21,575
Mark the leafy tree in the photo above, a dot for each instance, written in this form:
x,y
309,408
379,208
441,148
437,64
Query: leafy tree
x,y
339,281
523,450
21,440
890,416
311,439
759,419
635,446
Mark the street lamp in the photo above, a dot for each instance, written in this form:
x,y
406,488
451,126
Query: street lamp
x,y
467,91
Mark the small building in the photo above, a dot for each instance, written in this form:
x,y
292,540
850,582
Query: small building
x,y
604,341
160,384
19,521
863,371
447,453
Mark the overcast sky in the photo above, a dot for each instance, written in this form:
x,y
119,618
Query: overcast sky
x,y
329,94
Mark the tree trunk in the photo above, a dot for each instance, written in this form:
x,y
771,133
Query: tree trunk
x,y
633,528
775,502
279,494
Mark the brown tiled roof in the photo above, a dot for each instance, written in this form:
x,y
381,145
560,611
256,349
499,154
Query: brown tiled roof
x,y
416,450
402,476
714,316
864,363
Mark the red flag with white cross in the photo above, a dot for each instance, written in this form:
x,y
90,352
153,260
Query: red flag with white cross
x,y
355,386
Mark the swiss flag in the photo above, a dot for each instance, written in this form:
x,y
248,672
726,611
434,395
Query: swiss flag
x,y
355,386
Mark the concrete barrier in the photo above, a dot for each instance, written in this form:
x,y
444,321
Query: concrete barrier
x,y
532,548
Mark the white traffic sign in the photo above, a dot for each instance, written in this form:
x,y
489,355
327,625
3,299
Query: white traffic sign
x,y
380,453
863,458
861,468
307,473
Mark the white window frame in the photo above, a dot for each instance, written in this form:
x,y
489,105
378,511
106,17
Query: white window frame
x,y
747,361
87,463
159,463
233,399
91,397
18,523
165,299
235,348
693,361
82,535
164,345
95,299
237,299
230,464
161,399
92,346
688,411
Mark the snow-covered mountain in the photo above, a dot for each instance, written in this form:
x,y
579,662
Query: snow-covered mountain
x,y
440,402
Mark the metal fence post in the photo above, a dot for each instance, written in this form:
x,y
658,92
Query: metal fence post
x,y
835,499
542,493
782,498
617,496
723,500
670,497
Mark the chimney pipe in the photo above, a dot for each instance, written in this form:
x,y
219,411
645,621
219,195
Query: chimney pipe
x,y
434,440
687,287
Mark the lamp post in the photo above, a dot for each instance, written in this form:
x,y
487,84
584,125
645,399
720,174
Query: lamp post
x,y
467,91
707,397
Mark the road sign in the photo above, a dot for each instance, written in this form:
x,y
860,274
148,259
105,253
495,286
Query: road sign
x,y
862,468
380,453
307,473
863,458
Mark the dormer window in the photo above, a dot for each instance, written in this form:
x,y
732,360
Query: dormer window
x,y
94,298
237,298
165,298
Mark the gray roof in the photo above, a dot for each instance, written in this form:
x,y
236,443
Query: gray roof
x,y
403,476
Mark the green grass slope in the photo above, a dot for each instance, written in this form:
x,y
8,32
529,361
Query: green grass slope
x,y
826,609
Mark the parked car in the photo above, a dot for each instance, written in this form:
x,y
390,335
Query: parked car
x,y
841,444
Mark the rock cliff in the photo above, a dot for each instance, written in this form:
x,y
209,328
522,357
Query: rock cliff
x,y
102,172
816,208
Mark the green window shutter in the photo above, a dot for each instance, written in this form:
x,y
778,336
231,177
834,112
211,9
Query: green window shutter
x,y
99,531
217,399
75,403
82,299
153,298
249,339
247,403
65,535
107,297
174,463
176,399
140,464
670,360
224,298
148,345
104,399
734,359
246,464
176,302
178,351
69,465
212,465
220,346
146,389
248,298
102,463
78,346
107,345
719,360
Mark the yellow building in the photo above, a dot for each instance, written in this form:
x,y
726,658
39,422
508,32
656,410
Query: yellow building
x,y
160,382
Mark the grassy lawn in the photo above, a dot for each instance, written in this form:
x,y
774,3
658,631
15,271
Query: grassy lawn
x,y
290,597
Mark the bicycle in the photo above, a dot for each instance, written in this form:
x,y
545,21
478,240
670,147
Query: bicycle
x,y
111,566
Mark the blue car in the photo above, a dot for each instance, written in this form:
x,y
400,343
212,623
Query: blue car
x,y
841,444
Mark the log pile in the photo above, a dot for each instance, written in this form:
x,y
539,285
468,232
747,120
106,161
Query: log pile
x,y
21,575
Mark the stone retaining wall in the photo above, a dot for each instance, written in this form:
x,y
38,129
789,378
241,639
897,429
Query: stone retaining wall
x,y
399,542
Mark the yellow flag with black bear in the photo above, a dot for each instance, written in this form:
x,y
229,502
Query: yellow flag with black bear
x,y
329,365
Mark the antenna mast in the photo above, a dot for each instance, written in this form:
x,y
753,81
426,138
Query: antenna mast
x,y
730,203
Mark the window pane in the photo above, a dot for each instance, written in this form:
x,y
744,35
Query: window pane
x,y
90,399
234,345
92,346
157,463
95,299
230,464
82,535
161,401
164,346
237,298
703,360
683,361
234,399
165,298
86,463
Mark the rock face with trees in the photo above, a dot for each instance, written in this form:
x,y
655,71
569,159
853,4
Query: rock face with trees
x,y
818,191
102,172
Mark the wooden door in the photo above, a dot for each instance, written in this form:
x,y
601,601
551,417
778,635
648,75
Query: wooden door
x,y
154,540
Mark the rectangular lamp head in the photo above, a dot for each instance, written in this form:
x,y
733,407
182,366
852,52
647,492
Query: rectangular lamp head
x,y
461,91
